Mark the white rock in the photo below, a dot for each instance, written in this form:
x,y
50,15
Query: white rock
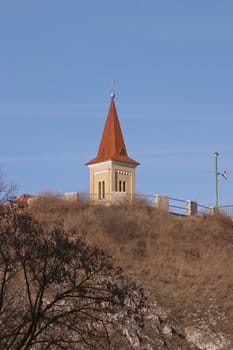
x,y
205,339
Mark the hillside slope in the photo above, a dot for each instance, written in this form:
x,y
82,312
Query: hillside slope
x,y
183,263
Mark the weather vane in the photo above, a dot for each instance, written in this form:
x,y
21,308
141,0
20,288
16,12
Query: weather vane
x,y
112,89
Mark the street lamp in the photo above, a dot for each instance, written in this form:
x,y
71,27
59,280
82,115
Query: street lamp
x,y
216,154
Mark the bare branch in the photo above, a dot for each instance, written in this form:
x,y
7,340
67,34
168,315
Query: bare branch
x,y
68,295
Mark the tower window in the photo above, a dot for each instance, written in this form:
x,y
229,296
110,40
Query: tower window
x,y
103,189
99,192
119,186
124,188
115,181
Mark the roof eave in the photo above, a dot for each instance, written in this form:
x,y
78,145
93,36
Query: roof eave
x,y
117,159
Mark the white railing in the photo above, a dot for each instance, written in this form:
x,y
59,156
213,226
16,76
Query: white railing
x,y
227,209
169,204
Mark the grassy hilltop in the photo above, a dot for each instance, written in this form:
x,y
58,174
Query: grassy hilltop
x,y
118,277
183,262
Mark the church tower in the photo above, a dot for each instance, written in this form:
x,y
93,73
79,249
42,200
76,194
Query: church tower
x,y
112,172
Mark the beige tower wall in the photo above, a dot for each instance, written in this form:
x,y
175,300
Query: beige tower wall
x,y
111,176
125,174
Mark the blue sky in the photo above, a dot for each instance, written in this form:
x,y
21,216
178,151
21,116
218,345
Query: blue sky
x,y
172,61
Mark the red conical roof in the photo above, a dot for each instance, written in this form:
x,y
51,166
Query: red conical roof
x,y
112,145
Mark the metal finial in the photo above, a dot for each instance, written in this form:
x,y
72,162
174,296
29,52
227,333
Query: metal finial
x,y
112,89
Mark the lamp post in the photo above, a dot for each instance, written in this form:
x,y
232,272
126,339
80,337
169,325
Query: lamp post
x,y
216,154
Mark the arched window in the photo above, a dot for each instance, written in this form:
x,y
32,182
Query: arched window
x,y
115,181
99,192
124,188
103,189
119,186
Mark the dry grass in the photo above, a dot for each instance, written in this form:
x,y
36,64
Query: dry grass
x,y
185,262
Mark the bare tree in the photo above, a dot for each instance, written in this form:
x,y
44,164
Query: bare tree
x,y
7,191
57,292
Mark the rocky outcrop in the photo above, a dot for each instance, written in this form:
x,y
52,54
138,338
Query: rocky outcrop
x,y
163,331
205,339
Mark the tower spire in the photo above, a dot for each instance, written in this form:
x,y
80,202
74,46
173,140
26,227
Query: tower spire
x,y
112,144
112,89
112,170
